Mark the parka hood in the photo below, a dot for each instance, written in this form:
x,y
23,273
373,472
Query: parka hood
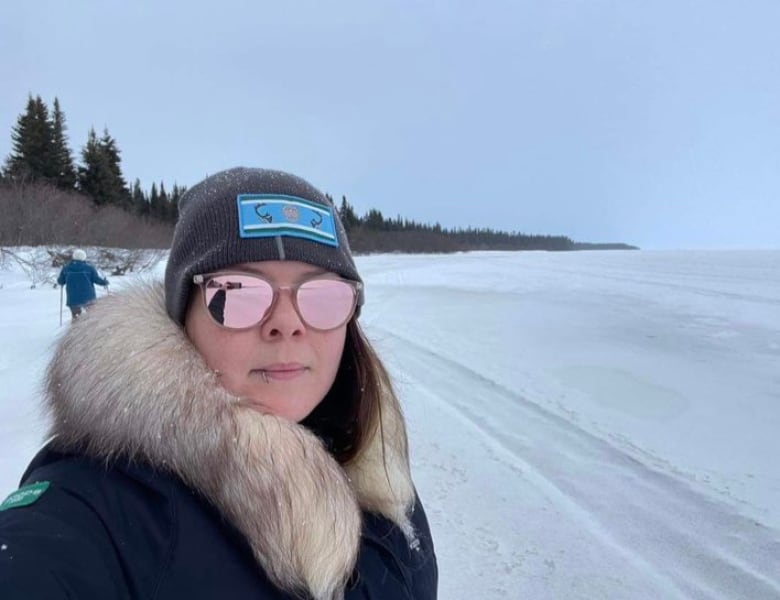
x,y
126,382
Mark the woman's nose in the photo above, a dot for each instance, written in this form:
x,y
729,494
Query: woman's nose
x,y
284,320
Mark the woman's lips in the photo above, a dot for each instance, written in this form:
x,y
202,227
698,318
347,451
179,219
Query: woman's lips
x,y
282,371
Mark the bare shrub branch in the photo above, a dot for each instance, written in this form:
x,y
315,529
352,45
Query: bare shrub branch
x,y
35,214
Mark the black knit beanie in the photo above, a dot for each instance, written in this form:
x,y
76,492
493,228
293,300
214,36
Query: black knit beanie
x,y
248,215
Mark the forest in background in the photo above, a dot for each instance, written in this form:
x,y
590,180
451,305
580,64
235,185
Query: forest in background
x,y
47,197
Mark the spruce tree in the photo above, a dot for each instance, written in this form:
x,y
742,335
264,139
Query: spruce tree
x,y
167,205
347,214
32,154
155,208
119,191
176,195
374,220
95,174
101,176
140,203
163,197
63,161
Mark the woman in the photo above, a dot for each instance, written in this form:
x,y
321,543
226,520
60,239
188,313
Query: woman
x,y
231,436
79,278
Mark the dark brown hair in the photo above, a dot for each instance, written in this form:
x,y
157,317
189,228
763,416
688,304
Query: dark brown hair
x,y
347,416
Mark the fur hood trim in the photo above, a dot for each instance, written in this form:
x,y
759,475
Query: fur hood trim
x,y
125,381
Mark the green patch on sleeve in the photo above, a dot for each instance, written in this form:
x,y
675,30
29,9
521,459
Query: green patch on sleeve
x,y
25,496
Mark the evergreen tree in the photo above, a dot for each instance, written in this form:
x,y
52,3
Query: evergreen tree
x,y
156,208
32,154
347,214
166,205
63,161
163,197
119,190
176,195
140,203
101,176
374,220
95,176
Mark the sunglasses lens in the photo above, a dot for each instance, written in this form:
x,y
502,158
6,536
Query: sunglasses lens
x,y
238,301
326,303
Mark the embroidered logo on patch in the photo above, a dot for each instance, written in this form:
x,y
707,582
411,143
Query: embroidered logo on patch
x,y
271,215
25,496
291,213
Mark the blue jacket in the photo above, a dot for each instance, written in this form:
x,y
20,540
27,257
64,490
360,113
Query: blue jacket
x,y
79,278
129,531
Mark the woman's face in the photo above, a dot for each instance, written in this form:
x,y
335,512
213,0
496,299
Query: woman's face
x,y
281,366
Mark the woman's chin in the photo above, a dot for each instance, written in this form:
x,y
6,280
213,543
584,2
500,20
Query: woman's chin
x,y
284,410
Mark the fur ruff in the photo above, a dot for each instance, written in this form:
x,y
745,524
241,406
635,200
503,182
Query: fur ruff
x,y
125,381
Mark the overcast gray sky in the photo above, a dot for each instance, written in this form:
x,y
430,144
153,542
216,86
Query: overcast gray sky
x,y
655,123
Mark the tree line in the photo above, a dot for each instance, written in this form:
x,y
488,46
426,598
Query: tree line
x,y
40,154
41,165
373,232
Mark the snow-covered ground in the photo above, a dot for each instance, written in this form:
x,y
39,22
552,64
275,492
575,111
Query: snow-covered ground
x,y
583,425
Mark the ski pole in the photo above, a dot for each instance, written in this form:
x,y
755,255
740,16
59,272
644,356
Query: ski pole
x,y
60,306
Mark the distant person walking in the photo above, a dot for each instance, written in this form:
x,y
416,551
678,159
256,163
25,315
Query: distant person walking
x,y
79,278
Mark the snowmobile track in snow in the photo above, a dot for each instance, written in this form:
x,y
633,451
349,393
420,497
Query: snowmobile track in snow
x,y
695,545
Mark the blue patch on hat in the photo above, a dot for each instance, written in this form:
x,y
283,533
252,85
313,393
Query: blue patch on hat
x,y
271,215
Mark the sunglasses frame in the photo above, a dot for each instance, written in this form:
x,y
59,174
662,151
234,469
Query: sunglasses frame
x,y
202,279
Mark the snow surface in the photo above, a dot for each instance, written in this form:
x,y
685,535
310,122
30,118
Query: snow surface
x,y
583,425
